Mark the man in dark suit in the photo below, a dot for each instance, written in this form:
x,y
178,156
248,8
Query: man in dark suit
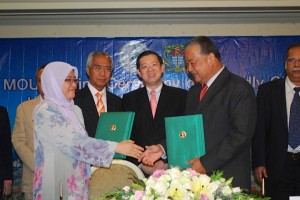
x,y
6,168
229,112
99,70
149,127
275,158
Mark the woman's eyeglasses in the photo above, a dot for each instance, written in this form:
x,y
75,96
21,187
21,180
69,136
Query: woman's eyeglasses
x,y
71,80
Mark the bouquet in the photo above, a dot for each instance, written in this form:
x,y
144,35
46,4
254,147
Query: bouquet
x,y
176,184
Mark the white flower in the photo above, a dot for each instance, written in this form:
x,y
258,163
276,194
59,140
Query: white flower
x,y
236,189
178,184
226,190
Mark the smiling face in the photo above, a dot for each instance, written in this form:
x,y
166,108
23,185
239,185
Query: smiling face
x,y
292,65
69,86
150,70
100,71
197,64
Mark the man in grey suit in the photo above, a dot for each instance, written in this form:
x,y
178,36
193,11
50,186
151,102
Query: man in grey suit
x,y
229,112
228,107
99,69
22,137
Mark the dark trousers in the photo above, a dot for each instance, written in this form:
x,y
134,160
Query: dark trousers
x,y
1,189
289,183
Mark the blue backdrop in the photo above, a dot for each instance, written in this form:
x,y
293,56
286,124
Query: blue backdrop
x,y
258,59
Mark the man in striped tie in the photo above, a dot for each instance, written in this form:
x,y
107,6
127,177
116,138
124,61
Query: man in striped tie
x,y
94,98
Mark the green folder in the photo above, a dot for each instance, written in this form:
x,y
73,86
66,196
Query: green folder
x,y
115,126
185,139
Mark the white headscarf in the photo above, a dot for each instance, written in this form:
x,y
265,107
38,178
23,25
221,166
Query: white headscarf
x,y
52,80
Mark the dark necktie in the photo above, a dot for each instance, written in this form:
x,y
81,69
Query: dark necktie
x,y
294,123
203,91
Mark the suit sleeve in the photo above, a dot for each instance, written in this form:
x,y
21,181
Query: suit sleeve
x,y
258,141
7,146
126,105
20,140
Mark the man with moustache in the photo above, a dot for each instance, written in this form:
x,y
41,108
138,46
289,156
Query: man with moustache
x,y
275,150
99,69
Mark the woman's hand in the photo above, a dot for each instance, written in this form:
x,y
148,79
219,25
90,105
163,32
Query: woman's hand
x,y
128,148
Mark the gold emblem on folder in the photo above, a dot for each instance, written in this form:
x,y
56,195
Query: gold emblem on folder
x,y
113,127
182,134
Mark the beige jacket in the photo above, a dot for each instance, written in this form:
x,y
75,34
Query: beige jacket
x,y
22,140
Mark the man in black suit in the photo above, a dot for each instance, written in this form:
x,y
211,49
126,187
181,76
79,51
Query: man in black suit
x,y
149,128
6,168
274,156
99,70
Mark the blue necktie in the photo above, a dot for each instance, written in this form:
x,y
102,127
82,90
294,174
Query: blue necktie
x,y
294,124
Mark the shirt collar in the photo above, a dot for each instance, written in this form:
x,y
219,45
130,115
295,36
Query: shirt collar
x,y
157,90
94,90
289,86
212,79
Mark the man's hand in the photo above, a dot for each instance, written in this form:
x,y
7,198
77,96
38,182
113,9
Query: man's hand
x,y
7,189
157,165
151,154
260,173
197,165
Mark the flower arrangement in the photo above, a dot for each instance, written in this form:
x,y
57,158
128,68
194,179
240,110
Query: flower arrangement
x,y
176,184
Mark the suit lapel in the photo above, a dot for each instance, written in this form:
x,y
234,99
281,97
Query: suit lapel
x,y
88,102
110,102
279,98
162,101
214,88
145,102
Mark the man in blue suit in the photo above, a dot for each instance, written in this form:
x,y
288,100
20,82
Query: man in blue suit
x,y
149,126
274,157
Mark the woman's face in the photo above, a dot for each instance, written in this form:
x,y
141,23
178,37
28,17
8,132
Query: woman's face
x,y
70,86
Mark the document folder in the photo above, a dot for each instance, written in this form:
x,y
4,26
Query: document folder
x,y
185,139
115,126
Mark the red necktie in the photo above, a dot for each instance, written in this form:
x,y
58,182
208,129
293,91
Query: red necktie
x,y
203,91
99,104
153,102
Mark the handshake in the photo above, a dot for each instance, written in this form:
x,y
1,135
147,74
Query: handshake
x,y
151,159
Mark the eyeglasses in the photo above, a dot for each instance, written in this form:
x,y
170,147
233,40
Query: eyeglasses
x,y
293,60
99,68
71,80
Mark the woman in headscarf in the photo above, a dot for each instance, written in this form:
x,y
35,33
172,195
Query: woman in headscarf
x,y
63,150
